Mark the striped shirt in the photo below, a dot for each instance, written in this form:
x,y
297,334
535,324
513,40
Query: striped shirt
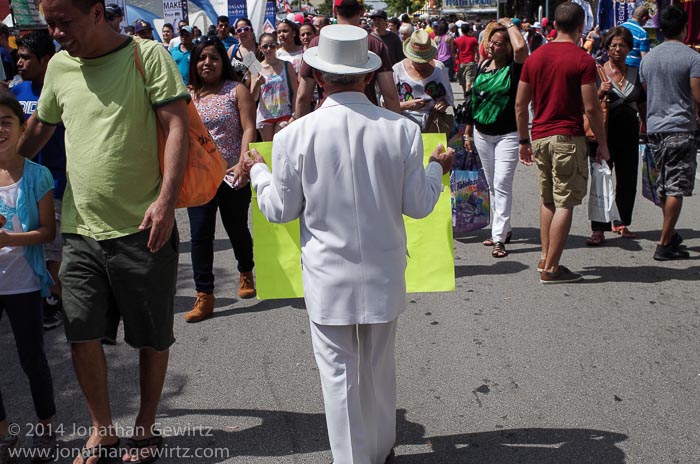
x,y
641,42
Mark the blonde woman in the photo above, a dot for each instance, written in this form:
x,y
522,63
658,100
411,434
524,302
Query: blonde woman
x,y
493,131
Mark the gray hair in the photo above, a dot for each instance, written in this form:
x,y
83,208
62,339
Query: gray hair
x,y
341,79
406,28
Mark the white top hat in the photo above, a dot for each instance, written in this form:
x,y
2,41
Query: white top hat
x,y
342,49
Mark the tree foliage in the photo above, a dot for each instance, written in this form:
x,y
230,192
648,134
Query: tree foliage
x,y
397,7
325,8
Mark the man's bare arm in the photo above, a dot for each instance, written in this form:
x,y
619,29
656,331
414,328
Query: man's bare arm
x,y
160,215
35,137
522,118
305,94
387,88
594,112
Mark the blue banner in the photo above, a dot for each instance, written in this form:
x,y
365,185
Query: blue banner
x,y
269,24
623,10
237,9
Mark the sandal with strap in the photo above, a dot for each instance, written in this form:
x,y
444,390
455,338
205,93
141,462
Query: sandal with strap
x,y
491,242
499,250
623,231
103,453
155,441
597,238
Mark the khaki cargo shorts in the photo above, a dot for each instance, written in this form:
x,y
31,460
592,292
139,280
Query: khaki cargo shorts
x,y
562,167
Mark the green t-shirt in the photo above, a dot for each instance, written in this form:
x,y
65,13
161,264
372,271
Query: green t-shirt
x,y
111,140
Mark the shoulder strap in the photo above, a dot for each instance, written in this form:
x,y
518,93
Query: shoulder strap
x,y
235,50
137,59
289,83
601,73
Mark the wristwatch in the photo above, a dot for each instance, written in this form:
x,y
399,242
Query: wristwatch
x,y
510,25
524,142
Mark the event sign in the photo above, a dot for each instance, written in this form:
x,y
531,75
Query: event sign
x,y
270,17
430,261
237,9
27,14
175,11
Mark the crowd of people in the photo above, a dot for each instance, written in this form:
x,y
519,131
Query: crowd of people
x,y
87,225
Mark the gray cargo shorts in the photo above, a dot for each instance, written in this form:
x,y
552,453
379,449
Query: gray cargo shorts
x,y
675,155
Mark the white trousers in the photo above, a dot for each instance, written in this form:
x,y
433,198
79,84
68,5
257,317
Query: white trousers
x,y
499,157
358,377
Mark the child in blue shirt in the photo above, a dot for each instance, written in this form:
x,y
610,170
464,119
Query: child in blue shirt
x,y
27,222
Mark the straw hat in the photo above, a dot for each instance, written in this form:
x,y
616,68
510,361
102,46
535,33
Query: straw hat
x,y
419,47
342,49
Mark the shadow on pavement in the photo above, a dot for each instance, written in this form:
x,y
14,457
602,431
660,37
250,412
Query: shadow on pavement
x,y
523,446
283,433
498,268
641,274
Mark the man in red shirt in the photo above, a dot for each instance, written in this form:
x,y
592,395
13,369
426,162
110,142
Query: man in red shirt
x,y
467,49
560,80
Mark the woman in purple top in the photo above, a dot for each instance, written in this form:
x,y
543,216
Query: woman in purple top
x,y
228,111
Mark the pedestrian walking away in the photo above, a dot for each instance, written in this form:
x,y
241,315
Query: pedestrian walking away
x,y
354,303
671,76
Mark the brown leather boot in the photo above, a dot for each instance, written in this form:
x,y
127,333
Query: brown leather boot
x,y
246,289
202,308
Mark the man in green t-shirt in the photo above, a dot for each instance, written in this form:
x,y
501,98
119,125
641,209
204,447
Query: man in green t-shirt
x,y
120,254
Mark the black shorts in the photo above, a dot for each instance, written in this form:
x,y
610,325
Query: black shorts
x,y
108,280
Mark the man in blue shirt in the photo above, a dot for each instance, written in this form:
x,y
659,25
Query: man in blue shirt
x,y
181,53
7,53
223,32
641,38
34,51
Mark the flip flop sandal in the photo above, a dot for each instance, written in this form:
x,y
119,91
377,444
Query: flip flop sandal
x,y
490,242
499,250
104,453
156,440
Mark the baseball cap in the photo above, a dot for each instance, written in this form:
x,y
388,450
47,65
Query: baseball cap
x,y
378,14
112,10
187,29
141,25
537,26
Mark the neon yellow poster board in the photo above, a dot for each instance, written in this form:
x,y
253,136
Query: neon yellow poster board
x,y
430,265
276,248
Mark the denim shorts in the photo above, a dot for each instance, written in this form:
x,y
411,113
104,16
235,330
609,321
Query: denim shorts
x,y
675,156
108,280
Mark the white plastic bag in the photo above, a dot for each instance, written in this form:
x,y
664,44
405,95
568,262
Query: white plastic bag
x,y
601,199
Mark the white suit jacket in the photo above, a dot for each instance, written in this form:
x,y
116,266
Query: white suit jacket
x,y
349,170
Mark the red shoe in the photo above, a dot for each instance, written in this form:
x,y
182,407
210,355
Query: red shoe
x,y
623,231
597,238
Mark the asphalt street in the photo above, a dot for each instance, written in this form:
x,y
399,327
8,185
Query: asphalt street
x,y
503,370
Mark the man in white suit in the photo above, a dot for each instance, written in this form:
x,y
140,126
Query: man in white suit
x,y
349,170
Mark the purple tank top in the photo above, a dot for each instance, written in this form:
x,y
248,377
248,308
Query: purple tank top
x,y
443,49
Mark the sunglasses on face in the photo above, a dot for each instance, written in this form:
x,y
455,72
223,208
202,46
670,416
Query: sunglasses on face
x,y
243,29
267,46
